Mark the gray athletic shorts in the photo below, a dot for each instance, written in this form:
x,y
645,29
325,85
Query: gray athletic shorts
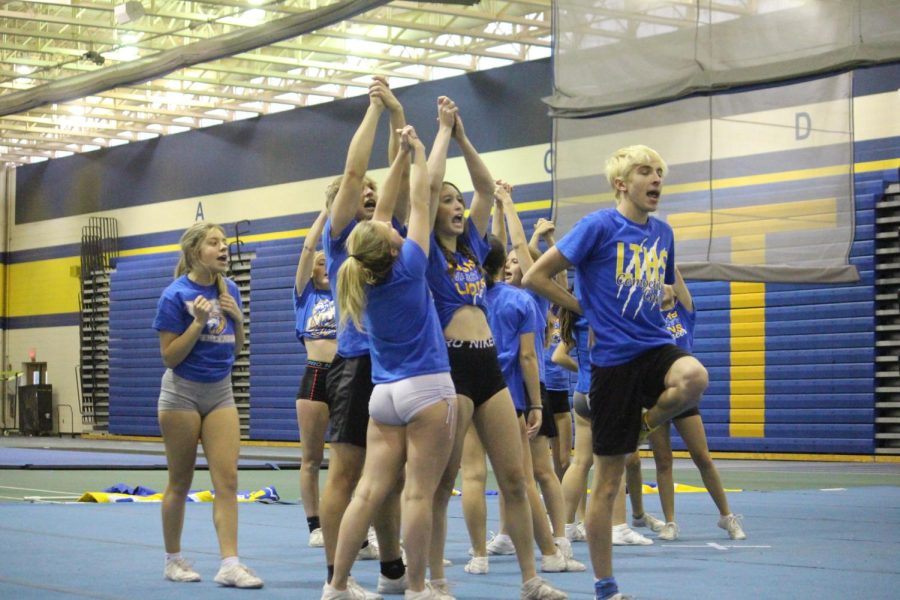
x,y
178,393
396,403
582,405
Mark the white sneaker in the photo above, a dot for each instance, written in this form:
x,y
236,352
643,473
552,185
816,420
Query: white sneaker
x,y
732,524
361,591
316,539
387,585
370,550
441,589
501,544
557,563
426,594
329,593
238,576
574,533
623,535
540,589
648,520
477,565
669,532
565,546
181,571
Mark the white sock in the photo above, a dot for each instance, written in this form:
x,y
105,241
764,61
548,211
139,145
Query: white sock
x,y
230,561
173,556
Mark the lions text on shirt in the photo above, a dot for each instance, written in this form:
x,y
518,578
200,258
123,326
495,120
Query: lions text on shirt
x,y
465,285
621,266
212,356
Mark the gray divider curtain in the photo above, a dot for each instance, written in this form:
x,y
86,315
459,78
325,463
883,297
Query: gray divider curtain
x,y
761,181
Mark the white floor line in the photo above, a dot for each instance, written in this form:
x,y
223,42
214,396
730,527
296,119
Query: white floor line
x,y
21,489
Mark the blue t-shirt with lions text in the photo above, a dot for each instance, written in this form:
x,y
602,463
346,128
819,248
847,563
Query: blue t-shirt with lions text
x,y
621,266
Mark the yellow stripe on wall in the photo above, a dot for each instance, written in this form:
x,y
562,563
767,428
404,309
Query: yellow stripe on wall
x,y
43,287
748,360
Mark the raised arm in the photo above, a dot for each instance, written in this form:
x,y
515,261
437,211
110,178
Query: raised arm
x,y
480,209
516,231
540,279
308,254
420,220
398,122
397,178
682,292
346,202
543,229
437,159
498,223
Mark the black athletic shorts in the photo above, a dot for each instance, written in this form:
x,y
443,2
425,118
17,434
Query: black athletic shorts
x,y
475,369
312,386
548,423
558,401
350,386
619,393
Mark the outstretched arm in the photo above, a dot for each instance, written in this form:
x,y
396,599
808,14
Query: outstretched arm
x,y
397,177
498,223
420,191
480,209
398,122
346,202
437,160
540,279
516,231
308,254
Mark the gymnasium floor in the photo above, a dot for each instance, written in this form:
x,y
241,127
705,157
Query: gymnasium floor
x,y
815,530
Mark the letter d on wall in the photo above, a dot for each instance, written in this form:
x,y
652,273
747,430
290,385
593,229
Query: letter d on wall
x,y
802,125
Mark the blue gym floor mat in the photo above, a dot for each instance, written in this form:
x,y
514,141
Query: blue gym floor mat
x,y
841,543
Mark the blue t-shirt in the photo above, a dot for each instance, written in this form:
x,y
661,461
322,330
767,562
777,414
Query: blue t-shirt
x,y
510,315
581,332
212,356
465,285
541,306
350,342
622,266
680,325
315,314
556,376
405,337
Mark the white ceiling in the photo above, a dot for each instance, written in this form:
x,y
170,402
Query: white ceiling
x,y
51,42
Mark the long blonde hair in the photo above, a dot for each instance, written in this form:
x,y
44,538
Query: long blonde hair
x,y
369,262
190,243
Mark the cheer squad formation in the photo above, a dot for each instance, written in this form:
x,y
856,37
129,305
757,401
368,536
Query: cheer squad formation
x,y
439,336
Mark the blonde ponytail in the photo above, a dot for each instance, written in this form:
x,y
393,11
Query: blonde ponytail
x,y
351,291
369,262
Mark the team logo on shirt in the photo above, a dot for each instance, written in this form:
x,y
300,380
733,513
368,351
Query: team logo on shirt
x,y
467,279
640,272
215,323
674,326
321,323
